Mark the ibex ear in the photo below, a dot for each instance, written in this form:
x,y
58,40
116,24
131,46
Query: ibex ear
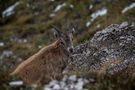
x,y
57,32
72,29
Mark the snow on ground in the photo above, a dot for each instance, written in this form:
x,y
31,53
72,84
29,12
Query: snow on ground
x,y
90,7
40,46
88,24
59,7
6,53
52,0
98,26
128,7
52,15
96,14
10,10
18,40
16,83
71,6
100,12
1,44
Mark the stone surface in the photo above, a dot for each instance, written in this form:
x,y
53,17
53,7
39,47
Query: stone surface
x,y
68,83
109,51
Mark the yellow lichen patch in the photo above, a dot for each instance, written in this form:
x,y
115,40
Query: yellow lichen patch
x,y
102,70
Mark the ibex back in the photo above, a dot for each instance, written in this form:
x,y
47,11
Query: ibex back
x,y
49,62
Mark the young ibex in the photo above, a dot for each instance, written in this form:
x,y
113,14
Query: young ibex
x,y
49,62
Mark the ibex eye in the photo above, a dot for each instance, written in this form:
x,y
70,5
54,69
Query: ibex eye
x,y
62,43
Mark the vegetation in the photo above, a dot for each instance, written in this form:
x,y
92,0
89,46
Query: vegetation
x,y
29,29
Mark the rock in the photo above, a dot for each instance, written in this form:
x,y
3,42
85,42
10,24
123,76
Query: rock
x,y
79,85
72,78
111,50
56,87
67,83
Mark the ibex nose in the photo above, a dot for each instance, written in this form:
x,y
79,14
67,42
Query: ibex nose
x,y
71,50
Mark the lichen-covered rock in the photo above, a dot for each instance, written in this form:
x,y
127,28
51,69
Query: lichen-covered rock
x,y
110,51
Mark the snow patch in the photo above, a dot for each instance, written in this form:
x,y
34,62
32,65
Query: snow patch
x,y
52,0
18,40
96,14
100,12
28,5
88,24
10,10
56,87
6,53
90,7
1,44
16,83
98,26
52,15
79,85
40,46
71,6
73,78
128,7
59,7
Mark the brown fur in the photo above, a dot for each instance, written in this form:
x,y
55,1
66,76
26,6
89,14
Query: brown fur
x,y
45,65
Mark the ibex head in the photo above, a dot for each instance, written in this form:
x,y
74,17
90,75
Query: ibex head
x,y
65,38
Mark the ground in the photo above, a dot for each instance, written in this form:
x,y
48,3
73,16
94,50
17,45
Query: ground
x,y
29,29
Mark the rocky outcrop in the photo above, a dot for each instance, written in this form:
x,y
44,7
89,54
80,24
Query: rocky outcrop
x,y
110,51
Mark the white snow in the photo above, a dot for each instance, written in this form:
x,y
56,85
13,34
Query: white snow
x,y
40,46
71,6
128,7
79,85
98,26
52,0
59,7
88,24
6,53
56,87
53,82
16,83
1,44
52,15
10,10
18,40
28,5
101,12
47,88
90,7
22,41
72,78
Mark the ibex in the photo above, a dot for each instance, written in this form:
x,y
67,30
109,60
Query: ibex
x,y
49,62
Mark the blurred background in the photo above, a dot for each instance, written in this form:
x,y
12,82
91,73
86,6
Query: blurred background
x,y
25,25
